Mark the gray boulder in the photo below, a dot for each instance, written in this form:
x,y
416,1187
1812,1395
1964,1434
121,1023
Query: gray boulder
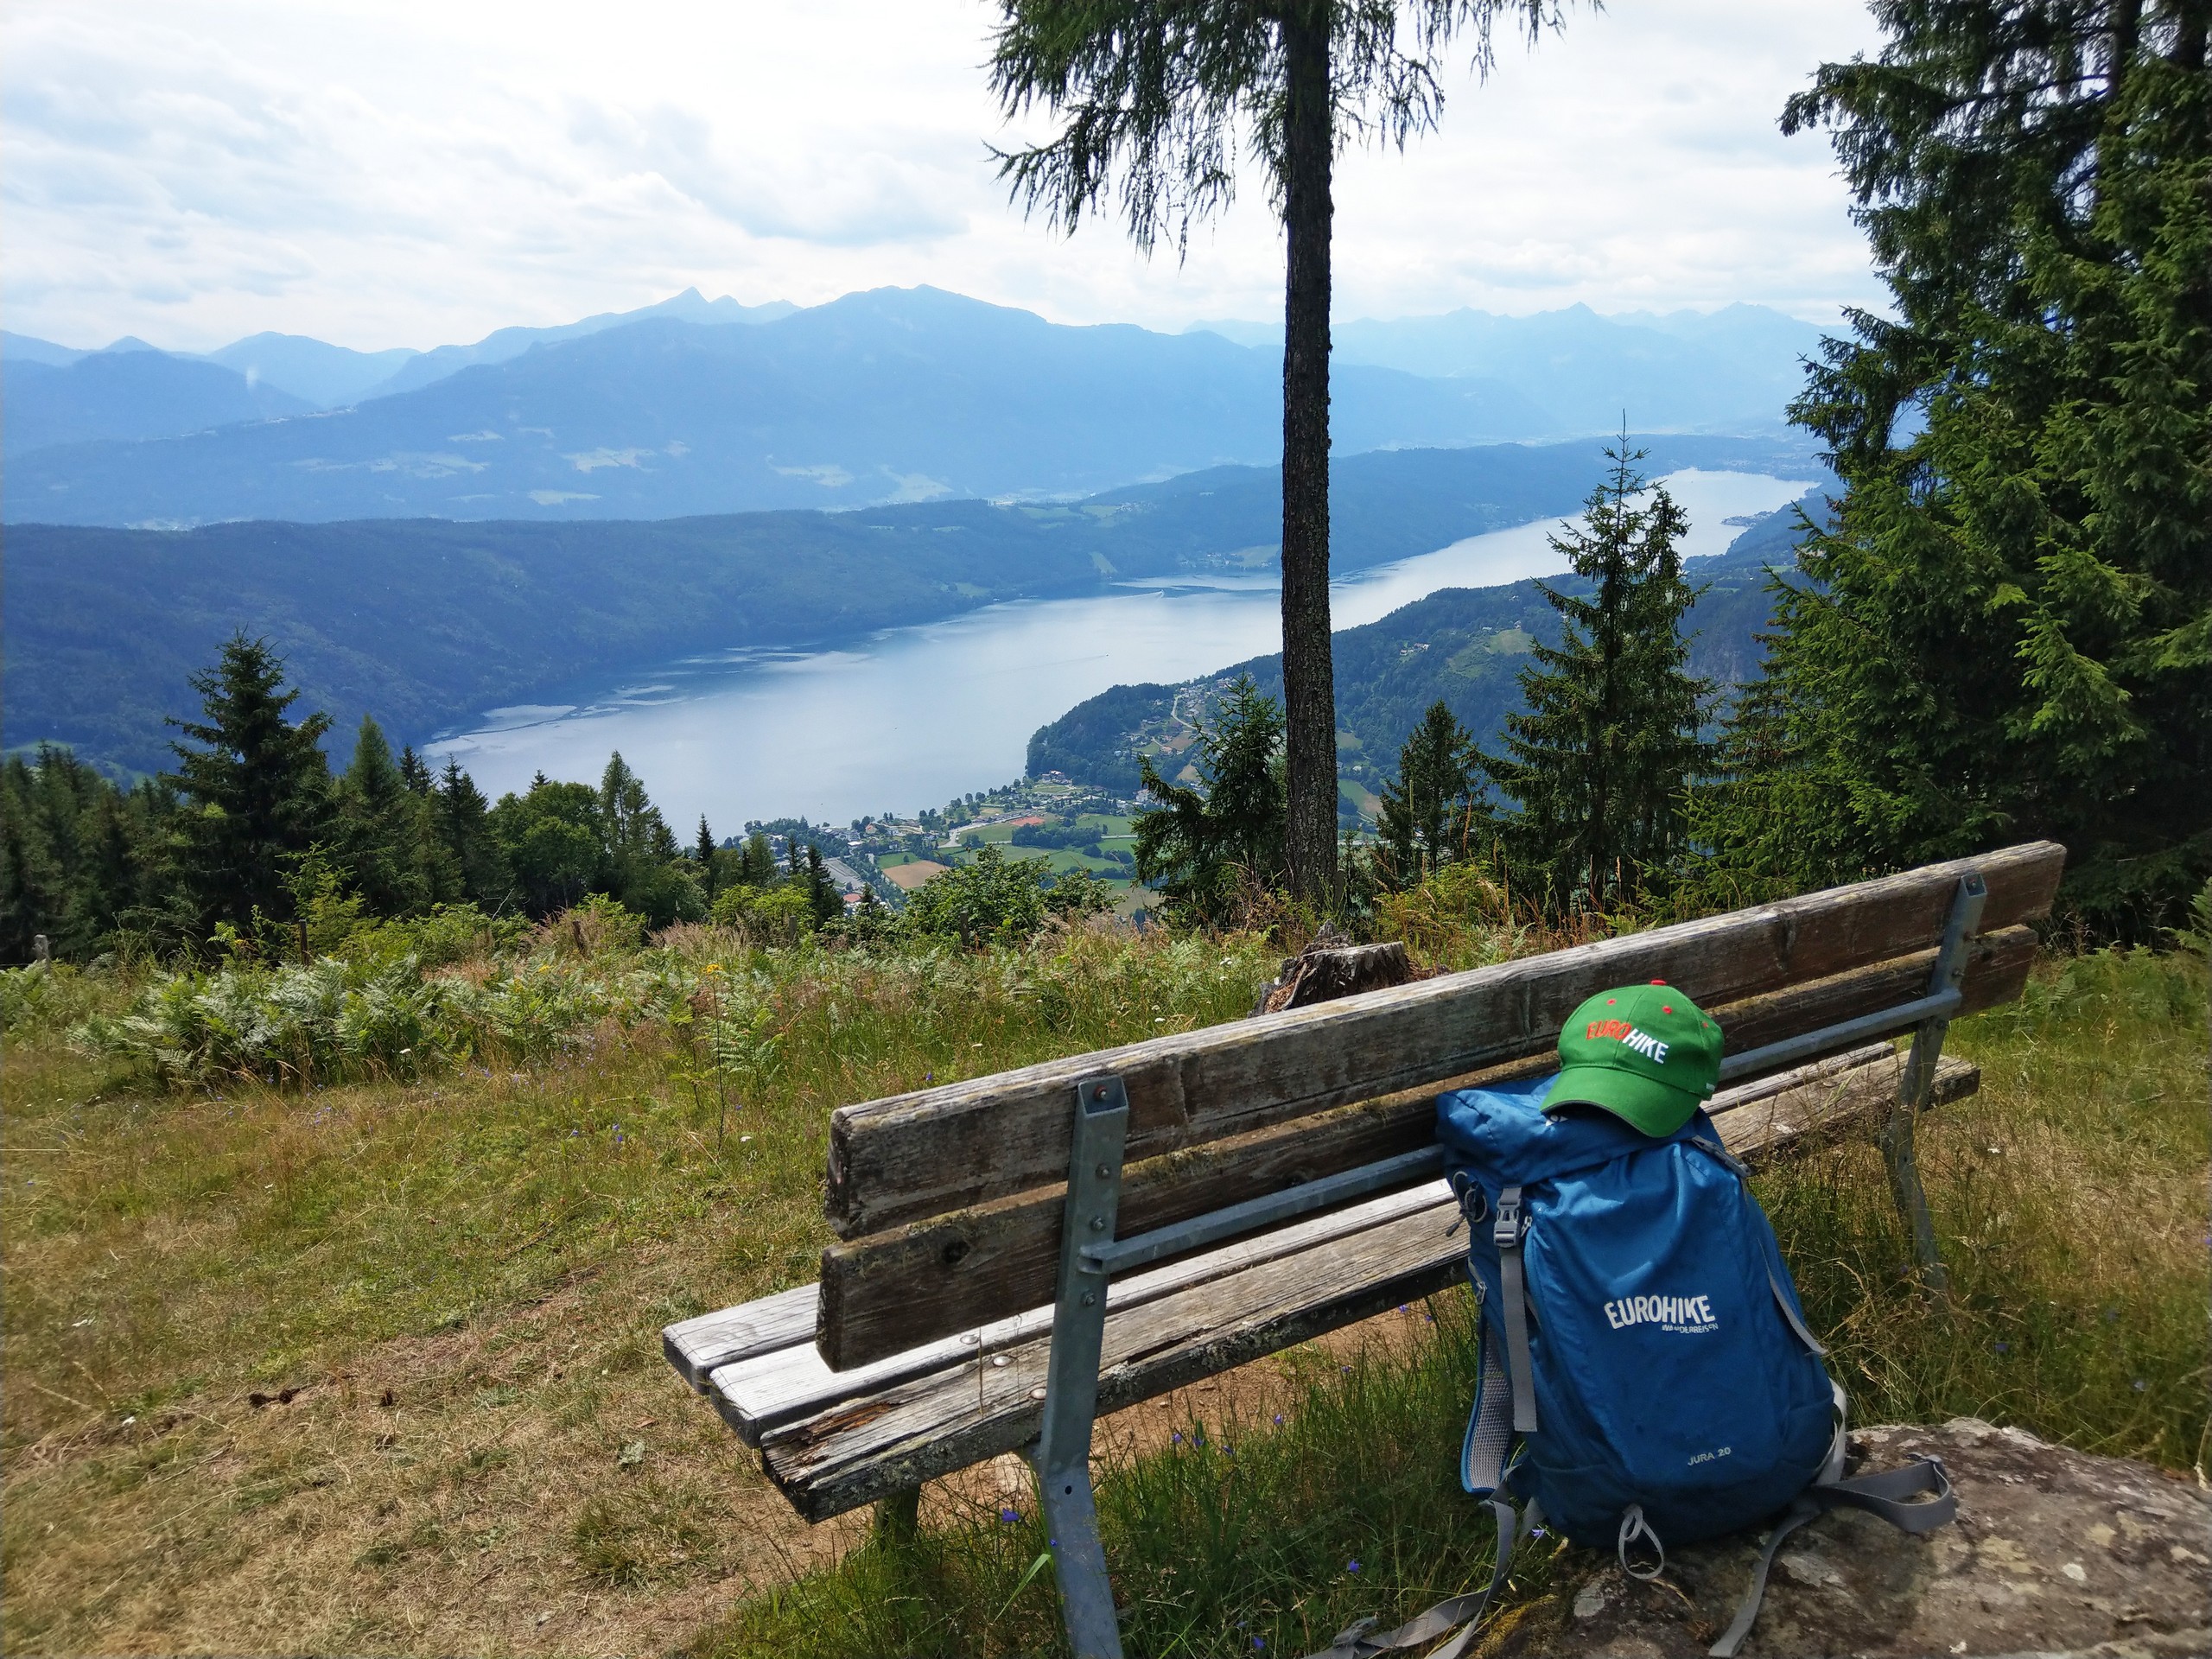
x,y
2053,1552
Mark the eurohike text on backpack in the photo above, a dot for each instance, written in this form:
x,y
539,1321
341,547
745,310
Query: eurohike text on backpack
x,y
1646,1377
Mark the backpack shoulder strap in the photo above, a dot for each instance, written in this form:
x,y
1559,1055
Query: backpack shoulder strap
x,y
1507,1234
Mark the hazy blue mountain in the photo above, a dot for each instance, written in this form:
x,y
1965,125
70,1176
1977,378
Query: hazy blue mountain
x,y
325,376
896,394
1463,645
1731,369
426,623
422,368
28,348
129,391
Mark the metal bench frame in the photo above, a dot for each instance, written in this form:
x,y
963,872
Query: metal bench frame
x,y
1091,1253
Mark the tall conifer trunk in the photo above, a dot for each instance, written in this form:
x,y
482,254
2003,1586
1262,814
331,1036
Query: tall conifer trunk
x,y
1308,673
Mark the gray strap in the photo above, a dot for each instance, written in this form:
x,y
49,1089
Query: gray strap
x,y
1489,1428
1782,1301
1884,1494
1360,1640
1506,1234
1747,1611
1635,1527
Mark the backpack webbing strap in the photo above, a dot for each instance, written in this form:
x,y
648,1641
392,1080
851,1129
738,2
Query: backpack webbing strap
x,y
1506,1234
1883,1494
1362,1639
1747,1611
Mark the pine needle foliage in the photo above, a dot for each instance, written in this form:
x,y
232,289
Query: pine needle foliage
x,y
1431,809
1599,766
1193,845
2007,632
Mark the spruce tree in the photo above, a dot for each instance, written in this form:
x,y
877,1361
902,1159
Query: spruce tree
x,y
387,834
413,773
254,787
2007,632
1599,765
702,853
1431,808
462,817
1197,840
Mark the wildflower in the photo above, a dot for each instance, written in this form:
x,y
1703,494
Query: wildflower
x,y
2002,1347
1176,1439
1352,1566
1278,1420
1010,1516
2138,1385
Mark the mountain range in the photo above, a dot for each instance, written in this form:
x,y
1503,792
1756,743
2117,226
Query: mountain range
x,y
427,623
879,397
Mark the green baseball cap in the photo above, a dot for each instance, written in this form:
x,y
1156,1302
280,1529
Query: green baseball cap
x,y
1646,1053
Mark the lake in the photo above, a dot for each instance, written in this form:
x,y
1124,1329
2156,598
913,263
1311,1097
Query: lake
x,y
914,717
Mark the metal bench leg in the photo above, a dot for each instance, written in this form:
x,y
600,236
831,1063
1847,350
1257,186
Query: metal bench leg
x,y
1063,1453
1918,1080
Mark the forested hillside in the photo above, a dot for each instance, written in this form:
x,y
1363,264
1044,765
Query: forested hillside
x,y
1464,646
428,622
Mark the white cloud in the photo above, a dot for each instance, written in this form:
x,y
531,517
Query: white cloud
x,y
406,172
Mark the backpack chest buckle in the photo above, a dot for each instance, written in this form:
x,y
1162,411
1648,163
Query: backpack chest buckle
x,y
1505,1232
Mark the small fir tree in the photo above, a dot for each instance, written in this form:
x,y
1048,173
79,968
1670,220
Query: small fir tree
x,y
1430,808
1194,843
1599,765
255,786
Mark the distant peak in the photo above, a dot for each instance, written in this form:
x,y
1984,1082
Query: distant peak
x,y
131,343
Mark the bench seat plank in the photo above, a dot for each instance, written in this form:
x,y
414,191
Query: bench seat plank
x,y
770,1390
896,1290
912,1156
895,1438
866,1440
695,1347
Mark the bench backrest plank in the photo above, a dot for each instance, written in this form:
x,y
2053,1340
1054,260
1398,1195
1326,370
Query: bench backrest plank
x,y
897,1289
911,1156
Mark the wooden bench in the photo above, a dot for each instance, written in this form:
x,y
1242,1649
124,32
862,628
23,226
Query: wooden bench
x,y
1021,1252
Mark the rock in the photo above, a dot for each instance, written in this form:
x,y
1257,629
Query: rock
x,y
2054,1552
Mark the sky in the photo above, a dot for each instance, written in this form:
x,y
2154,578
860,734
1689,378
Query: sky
x,y
405,173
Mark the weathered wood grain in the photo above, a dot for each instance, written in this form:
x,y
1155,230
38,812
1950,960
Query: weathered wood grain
x,y
931,1426
893,1291
833,1441
911,1156
695,1347
769,1389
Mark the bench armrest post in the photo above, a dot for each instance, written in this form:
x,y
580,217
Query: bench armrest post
x,y
1917,1081
1063,1453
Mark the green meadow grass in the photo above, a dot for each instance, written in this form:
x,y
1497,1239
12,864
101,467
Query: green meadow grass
x,y
460,1271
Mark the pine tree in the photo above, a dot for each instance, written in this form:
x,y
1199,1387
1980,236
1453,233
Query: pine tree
x,y
1195,843
1431,808
462,817
822,893
255,790
387,834
413,773
1158,98
704,856
1599,763
2007,633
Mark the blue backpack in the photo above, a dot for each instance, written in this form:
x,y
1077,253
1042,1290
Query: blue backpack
x,y
1646,1377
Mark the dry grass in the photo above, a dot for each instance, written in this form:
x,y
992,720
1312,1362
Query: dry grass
x,y
460,1283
